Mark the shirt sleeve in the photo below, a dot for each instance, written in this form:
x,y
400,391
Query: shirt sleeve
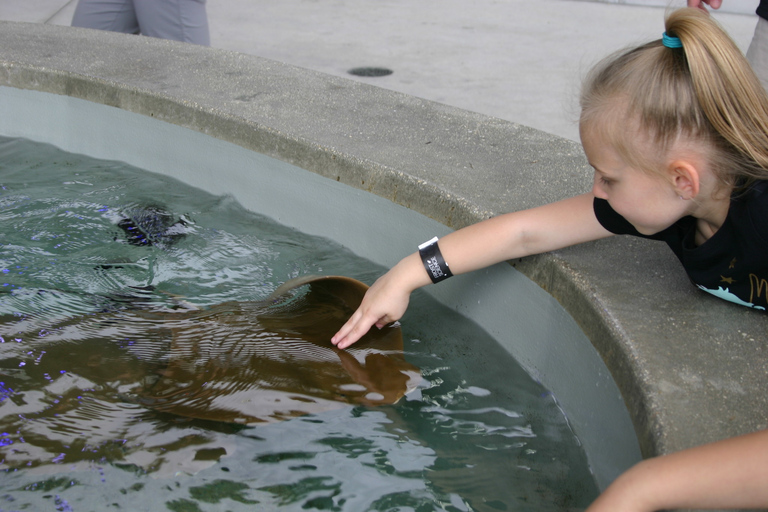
x,y
611,220
757,212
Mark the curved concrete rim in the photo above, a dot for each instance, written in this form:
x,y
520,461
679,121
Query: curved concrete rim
x,y
690,368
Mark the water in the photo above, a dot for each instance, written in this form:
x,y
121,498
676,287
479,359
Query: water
x,y
477,434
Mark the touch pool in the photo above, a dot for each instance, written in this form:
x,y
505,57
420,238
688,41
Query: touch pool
x,y
477,433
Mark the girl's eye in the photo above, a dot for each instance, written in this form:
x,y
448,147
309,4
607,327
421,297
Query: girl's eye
x,y
605,181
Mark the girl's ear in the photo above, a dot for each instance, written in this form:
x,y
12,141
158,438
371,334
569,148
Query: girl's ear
x,y
685,178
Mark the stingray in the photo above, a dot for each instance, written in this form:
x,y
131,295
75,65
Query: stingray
x,y
264,361
244,362
151,225
235,363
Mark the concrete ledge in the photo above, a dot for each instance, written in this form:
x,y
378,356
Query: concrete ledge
x,y
690,367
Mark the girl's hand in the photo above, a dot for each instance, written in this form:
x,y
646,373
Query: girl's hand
x,y
379,308
384,302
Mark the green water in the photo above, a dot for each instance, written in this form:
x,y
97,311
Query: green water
x,y
477,434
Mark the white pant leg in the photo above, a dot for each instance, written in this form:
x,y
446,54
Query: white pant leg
x,y
112,15
179,20
757,54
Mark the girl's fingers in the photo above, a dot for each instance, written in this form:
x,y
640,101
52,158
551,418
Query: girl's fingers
x,y
345,329
353,330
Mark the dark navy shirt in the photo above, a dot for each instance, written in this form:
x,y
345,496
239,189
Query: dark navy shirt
x,y
762,9
733,263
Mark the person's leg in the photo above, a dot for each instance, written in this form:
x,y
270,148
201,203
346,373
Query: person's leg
x,y
179,20
758,51
112,15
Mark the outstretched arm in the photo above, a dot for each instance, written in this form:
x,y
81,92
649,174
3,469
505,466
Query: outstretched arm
x,y
724,475
508,236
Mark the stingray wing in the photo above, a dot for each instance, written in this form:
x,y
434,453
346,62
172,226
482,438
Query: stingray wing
x,y
253,362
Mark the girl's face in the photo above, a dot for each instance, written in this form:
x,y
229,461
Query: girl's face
x,y
648,201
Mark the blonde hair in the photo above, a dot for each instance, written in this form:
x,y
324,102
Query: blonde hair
x,y
704,92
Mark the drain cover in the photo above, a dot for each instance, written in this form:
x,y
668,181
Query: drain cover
x,y
369,71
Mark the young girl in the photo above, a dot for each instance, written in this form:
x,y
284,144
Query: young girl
x,y
677,132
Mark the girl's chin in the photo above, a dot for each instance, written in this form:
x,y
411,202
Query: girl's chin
x,y
648,231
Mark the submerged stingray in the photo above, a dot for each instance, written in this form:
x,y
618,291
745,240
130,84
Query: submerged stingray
x,y
255,362
151,225
237,362
62,399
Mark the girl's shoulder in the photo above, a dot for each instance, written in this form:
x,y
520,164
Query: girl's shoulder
x,y
750,209
759,187
753,197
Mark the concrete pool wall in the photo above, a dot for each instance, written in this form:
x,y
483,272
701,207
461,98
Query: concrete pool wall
x,y
380,172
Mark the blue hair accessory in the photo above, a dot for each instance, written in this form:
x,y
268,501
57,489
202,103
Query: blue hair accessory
x,y
671,42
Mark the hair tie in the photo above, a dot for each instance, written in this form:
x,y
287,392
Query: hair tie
x,y
670,41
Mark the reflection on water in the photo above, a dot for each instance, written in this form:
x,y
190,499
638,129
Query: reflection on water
x,y
82,342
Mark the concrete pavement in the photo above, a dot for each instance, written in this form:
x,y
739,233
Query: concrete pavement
x,y
519,60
